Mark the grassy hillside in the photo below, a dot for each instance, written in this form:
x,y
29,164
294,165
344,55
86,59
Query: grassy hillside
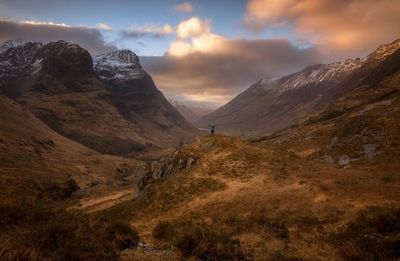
x,y
260,201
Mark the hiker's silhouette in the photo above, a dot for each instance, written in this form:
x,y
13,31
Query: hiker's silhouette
x,y
212,128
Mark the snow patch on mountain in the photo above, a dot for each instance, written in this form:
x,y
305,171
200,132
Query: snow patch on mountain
x,y
315,74
385,50
17,58
10,44
118,65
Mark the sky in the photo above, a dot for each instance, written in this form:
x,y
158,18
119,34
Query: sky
x,y
204,52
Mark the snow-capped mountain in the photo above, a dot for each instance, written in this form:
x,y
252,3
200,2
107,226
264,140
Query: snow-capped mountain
x,y
273,104
315,74
112,101
121,64
17,58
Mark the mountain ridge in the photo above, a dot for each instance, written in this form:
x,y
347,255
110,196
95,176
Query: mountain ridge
x,y
59,83
270,105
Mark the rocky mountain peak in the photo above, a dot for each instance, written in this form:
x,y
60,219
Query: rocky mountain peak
x,y
118,65
384,50
16,58
10,44
65,59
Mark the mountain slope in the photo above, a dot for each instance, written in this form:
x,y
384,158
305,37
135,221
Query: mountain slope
x,y
60,85
37,164
270,105
190,113
325,189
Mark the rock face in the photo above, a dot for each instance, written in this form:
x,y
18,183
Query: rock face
x,y
156,170
63,59
273,104
17,59
122,64
111,105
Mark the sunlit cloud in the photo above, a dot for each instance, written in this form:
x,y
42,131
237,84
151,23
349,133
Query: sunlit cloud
x,y
103,26
193,27
184,7
194,35
40,23
346,27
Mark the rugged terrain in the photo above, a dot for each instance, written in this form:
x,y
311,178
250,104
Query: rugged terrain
x,y
273,104
39,165
258,201
87,103
325,188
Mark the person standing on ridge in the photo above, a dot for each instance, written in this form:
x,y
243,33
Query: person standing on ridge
x,y
212,127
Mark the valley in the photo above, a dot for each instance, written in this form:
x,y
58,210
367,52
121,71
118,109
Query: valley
x,y
96,164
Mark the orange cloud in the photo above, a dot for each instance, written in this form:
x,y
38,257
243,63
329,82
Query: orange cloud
x,y
184,7
342,25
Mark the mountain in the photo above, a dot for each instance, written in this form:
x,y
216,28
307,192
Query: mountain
x,y
273,104
15,59
190,113
333,177
38,164
116,114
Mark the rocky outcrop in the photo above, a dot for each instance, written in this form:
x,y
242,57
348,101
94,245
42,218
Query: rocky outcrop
x,y
160,169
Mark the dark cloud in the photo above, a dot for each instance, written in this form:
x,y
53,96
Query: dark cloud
x,y
89,38
220,75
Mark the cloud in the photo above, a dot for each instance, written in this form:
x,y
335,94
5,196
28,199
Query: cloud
x,y
228,69
87,37
153,29
344,26
194,35
103,26
193,27
184,7
201,66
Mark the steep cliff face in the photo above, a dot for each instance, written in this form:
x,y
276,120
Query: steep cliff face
x,y
17,58
160,169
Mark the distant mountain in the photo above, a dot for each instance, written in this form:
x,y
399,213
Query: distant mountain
x,y
190,113
111,105
273,104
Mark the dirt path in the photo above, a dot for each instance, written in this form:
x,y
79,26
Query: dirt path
x,y
94,204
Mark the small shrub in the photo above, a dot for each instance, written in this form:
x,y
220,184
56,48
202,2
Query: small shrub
x,y
208,244
122,235
164,231
387,179
37,233
374,235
